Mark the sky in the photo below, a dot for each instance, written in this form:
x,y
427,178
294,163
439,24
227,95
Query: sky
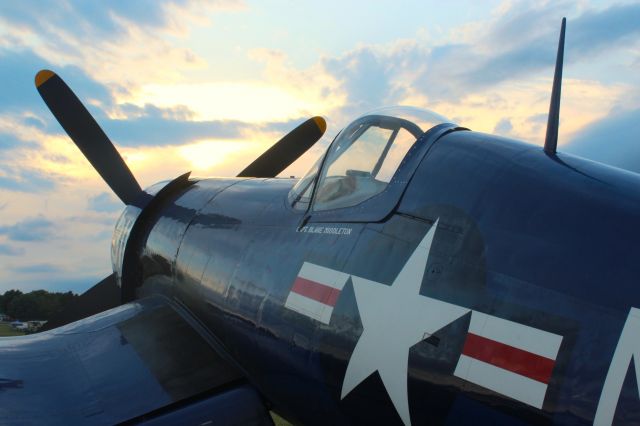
x,y
207,86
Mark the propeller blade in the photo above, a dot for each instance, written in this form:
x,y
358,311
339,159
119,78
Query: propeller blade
x,y
102,296
87,135
286,150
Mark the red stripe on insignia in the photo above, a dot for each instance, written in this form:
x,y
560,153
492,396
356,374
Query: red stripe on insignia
x,y
516,360
316,291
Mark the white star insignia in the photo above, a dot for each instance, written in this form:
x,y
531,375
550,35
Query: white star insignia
x,y
395,318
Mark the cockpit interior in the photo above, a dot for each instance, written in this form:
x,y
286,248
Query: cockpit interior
x,y
363,158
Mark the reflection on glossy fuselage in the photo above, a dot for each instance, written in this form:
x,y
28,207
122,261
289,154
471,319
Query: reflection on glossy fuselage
x,y
520,237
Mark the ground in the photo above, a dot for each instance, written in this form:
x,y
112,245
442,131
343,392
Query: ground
x,y
6,330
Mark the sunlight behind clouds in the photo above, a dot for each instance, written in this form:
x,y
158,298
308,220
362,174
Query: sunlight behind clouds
x,y
145,70
526,104
205,155
247,101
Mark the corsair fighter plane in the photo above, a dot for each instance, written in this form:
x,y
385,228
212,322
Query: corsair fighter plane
x,y
419,273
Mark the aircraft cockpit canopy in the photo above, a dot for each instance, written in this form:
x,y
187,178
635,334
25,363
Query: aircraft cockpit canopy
x,y
363,158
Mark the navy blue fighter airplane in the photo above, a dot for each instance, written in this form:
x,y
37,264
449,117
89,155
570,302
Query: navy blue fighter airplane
x,y
419,273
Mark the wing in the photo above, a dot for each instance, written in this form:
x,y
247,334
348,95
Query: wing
x,y
143,361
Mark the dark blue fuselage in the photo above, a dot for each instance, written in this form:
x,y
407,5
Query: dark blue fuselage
x,y
545,241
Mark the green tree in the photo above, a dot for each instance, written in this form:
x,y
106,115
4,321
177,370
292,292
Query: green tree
x,y
6,298
38,304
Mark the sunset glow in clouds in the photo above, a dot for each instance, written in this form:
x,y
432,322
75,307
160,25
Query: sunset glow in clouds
x,y
208,86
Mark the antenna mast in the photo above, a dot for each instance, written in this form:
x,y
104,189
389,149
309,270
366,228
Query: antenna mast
x,y
551,140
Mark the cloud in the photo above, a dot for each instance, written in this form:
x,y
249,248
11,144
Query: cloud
x,y
158,127
600,30
31,229
9,141
530,34
134,126
96,220
503,127
537,119
154,126
38,268
113,37
73,282
8,250
61,281
110,56
25,179
613,140
369,76
111,19
104,203
519,42
20,67
365,75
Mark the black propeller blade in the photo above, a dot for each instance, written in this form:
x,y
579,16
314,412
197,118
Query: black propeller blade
x,y
103,156
286,150
87,135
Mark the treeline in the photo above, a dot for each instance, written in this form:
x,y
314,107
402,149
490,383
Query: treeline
x,y
35,305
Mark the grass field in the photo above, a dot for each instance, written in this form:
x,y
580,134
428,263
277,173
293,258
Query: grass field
x,y
279,421
6,330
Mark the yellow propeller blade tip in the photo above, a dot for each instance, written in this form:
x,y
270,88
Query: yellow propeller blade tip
x,y
321,123
43,76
